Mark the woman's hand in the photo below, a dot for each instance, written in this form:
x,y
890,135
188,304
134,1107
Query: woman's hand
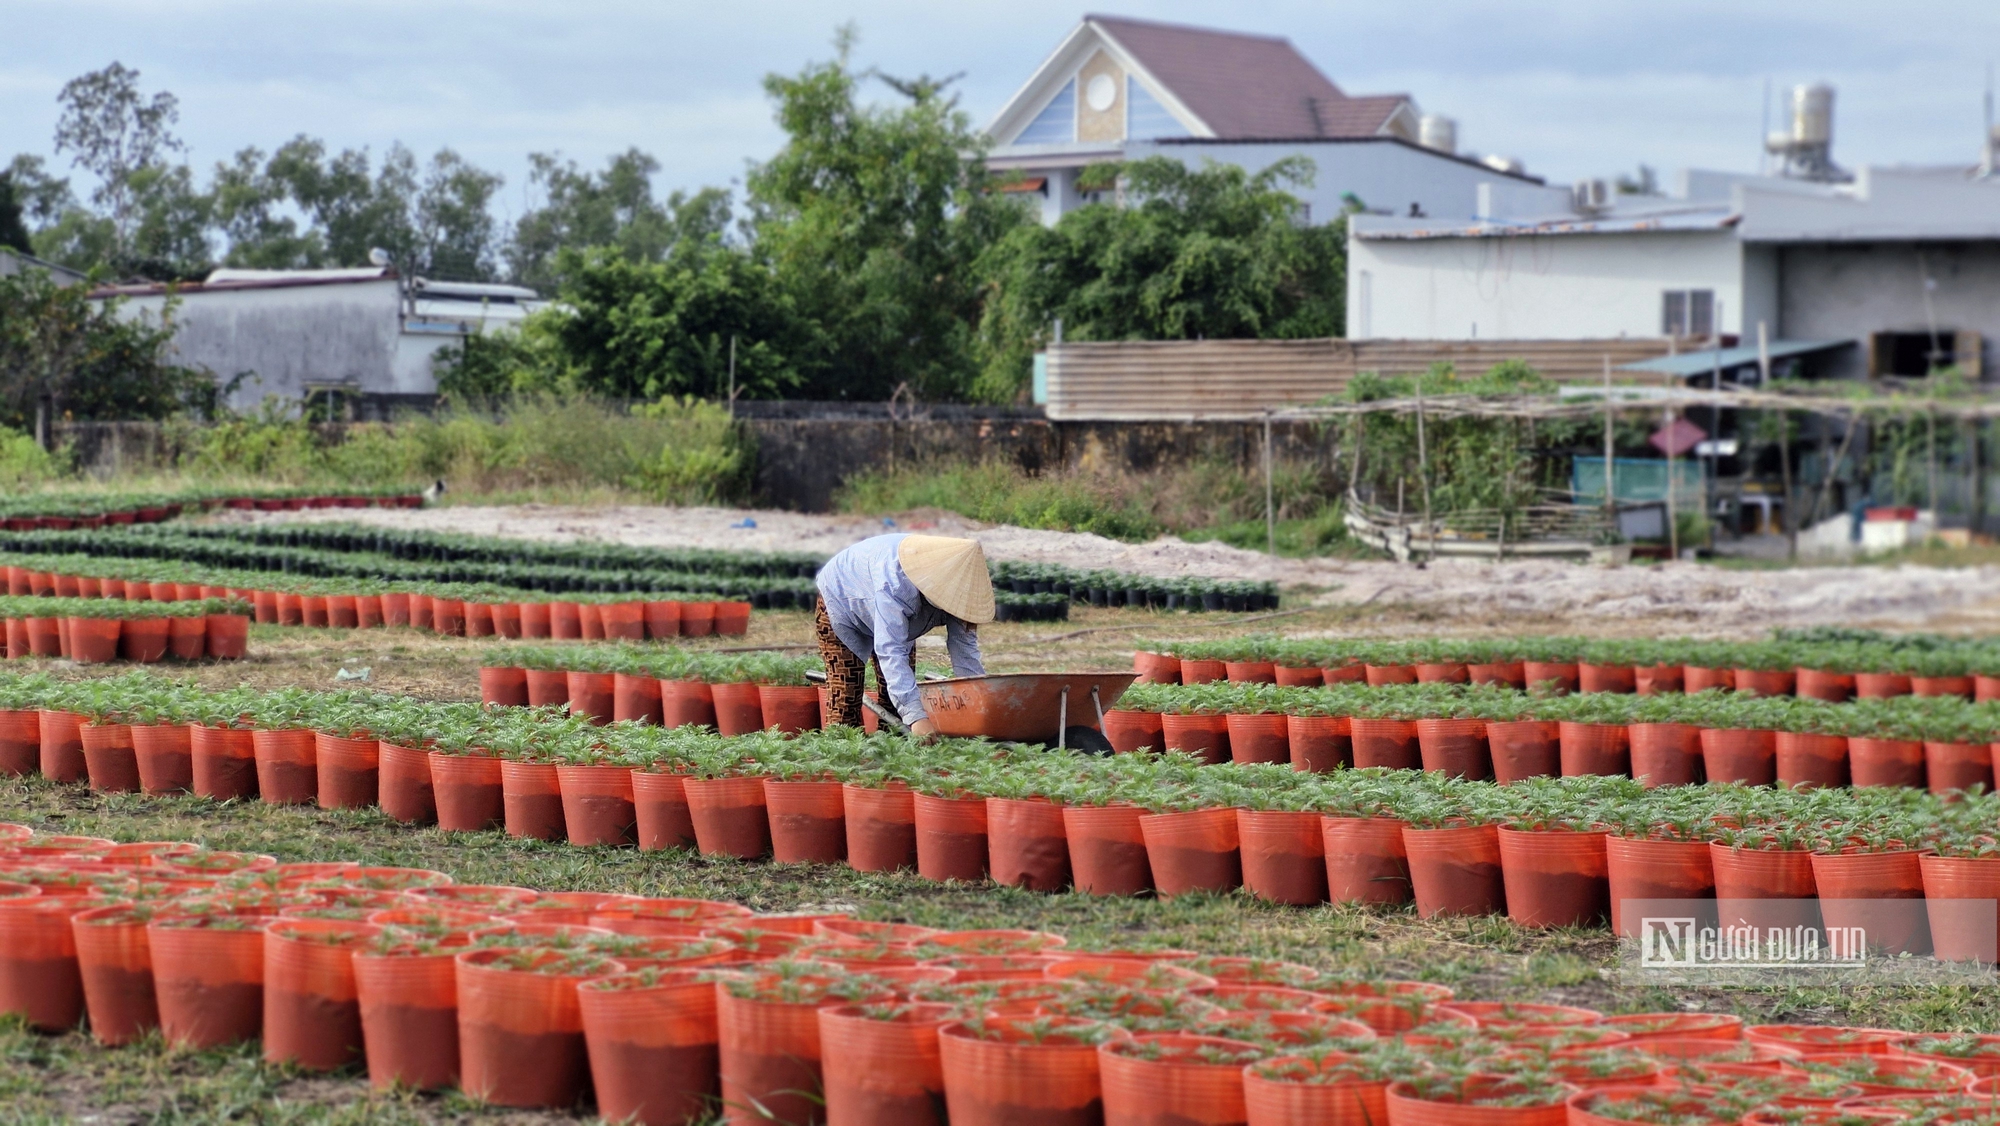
x,y
924,731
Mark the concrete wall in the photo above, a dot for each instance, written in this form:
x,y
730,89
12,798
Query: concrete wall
x,y
290,337
1539,287
1849,290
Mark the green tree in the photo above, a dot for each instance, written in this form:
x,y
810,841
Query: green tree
x,y
250,211
121,137
84,358
1191,253
872,219
613,208
634,330
13,231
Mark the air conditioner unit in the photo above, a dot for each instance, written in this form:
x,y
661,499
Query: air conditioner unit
x,y
1590,197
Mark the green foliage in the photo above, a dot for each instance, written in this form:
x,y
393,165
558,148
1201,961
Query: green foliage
x,y
613,209
23,462
84,357
705,457
874,219
1210,253
489,366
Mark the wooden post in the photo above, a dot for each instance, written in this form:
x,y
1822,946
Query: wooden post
x,y
1787,513
1975,466
1423,469
1931,466
1610,453
1673,514
1270,509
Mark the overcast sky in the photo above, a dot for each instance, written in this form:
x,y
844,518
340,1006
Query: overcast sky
x,y
1573,87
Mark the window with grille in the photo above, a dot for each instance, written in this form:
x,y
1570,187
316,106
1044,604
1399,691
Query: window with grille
x,y
1688,312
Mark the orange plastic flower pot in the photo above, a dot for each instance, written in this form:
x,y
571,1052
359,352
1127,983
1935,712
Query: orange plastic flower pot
x,y
1455,870
209,982
1764,887
547,687
1845,877
654,1048
1951,767
951,837
881,827
1555,878
1665,754
20,742
1250,672
808,821
1173,1082
531,795
1027,844
1193,851
534,619
1390,743
730,817
1406,1109
469,791
635,698
223,763
1381,675
685,702
1748,757
114,765
94,641
313,611
1283,854
44,636
38,961
1131,731
789,709
448,616
769,1059
698,619
1659,680
312,1014
660,811
520,1032
1766,682
503,687
1962,931
349,771
116,968
1507,674
1204,736
591,695
1528,748
739,708
144,639
287,766
1594,748
1555,676
1318,743
1819,684
165,756
663,620
1886,762
597,804
732,619
1202,671
1159,668
883,1072
1365,859
1260,737
1107,849
1454,747
1003,1075
1640,868
565,621
1290,1090
1605,678
61,746
407,792
1942,686
228,637
1808,761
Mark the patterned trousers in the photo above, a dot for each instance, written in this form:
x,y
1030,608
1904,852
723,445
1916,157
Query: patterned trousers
x,y
846,674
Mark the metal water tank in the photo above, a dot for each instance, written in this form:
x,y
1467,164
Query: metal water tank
x,y
1812,114
1436,131
1512,166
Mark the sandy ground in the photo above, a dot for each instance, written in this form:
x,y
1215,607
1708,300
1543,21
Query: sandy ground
x,y
1690,598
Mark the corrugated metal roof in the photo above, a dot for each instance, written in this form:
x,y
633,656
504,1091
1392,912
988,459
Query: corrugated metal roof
x,y
1709,359
1705,219
1217,379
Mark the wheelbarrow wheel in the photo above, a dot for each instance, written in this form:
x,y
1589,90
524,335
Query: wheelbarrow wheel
x,y
1088,740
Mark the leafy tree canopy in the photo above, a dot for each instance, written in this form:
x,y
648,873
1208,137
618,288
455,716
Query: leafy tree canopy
x,y
83,358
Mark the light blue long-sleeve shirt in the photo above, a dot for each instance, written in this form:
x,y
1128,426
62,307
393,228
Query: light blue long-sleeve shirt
x,y
876,610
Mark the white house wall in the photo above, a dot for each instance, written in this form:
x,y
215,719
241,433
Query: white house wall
x,y
1542,287
1847,291
289,337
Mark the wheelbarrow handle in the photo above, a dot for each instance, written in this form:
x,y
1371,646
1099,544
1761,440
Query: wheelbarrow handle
x,y
889,719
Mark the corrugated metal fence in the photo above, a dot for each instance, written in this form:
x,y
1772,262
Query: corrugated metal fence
x,y
1135,381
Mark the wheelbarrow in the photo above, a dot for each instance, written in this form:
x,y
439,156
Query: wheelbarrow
x,y
1060,709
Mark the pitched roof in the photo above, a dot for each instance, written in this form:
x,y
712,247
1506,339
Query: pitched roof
x,y
1246,86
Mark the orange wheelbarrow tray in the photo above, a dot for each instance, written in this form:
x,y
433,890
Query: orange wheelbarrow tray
x,y
1053,708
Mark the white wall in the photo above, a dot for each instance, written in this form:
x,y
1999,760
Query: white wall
x,y
1846,292
1538,287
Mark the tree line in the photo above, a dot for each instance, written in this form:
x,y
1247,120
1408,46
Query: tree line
x,y
873,254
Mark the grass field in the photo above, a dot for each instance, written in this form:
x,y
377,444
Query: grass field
x,y
68,1078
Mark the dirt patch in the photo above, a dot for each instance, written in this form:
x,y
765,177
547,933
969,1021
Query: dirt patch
x,y
1688,598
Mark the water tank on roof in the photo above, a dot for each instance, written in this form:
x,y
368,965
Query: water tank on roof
x,y
1510,165
1812,114
1436,131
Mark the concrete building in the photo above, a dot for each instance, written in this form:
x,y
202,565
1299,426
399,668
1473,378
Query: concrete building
x,y
352,343
1122,89
1901,263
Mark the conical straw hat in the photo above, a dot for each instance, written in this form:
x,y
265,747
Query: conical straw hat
x,y
951,573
